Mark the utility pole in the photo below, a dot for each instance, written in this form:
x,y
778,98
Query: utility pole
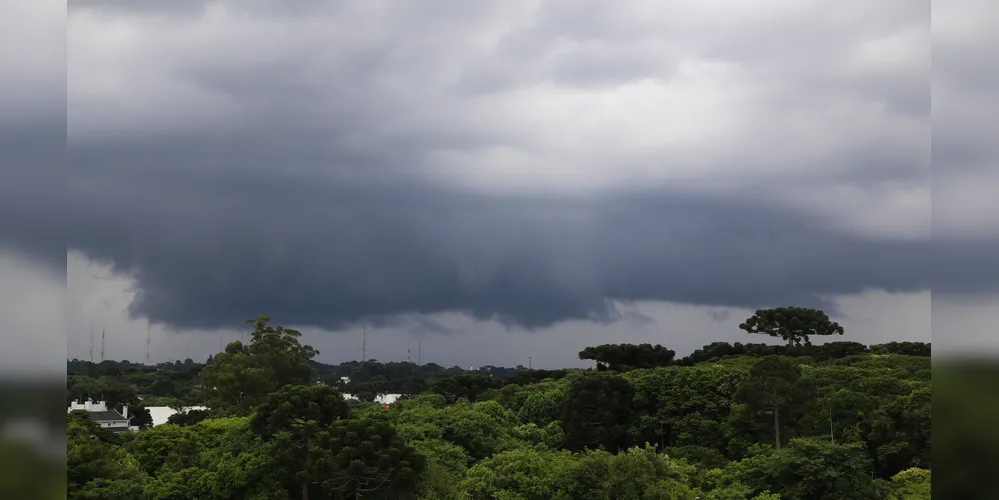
x,y
364,343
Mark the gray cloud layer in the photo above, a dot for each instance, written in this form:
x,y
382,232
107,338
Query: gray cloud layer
x,y
338,161
209,246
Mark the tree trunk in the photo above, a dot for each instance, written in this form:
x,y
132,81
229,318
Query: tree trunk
x,y
776,427
305,468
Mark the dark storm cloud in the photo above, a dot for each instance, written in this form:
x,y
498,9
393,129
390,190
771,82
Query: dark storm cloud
x,y
212,246
313,203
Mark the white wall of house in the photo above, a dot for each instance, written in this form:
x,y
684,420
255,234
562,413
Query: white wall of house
x,y
161,414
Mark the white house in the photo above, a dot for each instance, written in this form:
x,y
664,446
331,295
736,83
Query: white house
x,y
108,418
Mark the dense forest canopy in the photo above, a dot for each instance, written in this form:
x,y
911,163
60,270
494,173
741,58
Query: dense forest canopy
x,y
839,420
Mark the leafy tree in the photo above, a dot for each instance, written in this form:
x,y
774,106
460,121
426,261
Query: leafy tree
x,y
679,406
550,435
596,412
446,464
906,348
367,458
298,418
243,376
816,469
770,388
641,473
189,417
525,474
116,391
910,484
622,357
792,324
299,409
469,386
542,408
481,429
96,468
140,417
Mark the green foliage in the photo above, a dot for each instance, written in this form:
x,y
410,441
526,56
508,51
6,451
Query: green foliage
x,y
906,348
854,423
795,325
299,408
189,417
550,435
481,429
684,406
366,456
165,448
910,484
524,474
623,357
816,469
542,408
467,386
641,473
771,389
97,469
596,413
243,376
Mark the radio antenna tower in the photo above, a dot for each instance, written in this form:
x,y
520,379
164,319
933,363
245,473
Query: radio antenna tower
x,y
91,342
149,337
419,350
103,334
409,345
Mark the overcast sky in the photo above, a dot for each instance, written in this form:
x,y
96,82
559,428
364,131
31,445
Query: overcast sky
x,y
512,178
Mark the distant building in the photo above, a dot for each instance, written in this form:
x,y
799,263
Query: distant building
x,y
160,414
107,418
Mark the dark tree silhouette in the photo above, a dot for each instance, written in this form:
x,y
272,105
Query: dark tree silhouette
x,y
596,413
793,324
622,357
